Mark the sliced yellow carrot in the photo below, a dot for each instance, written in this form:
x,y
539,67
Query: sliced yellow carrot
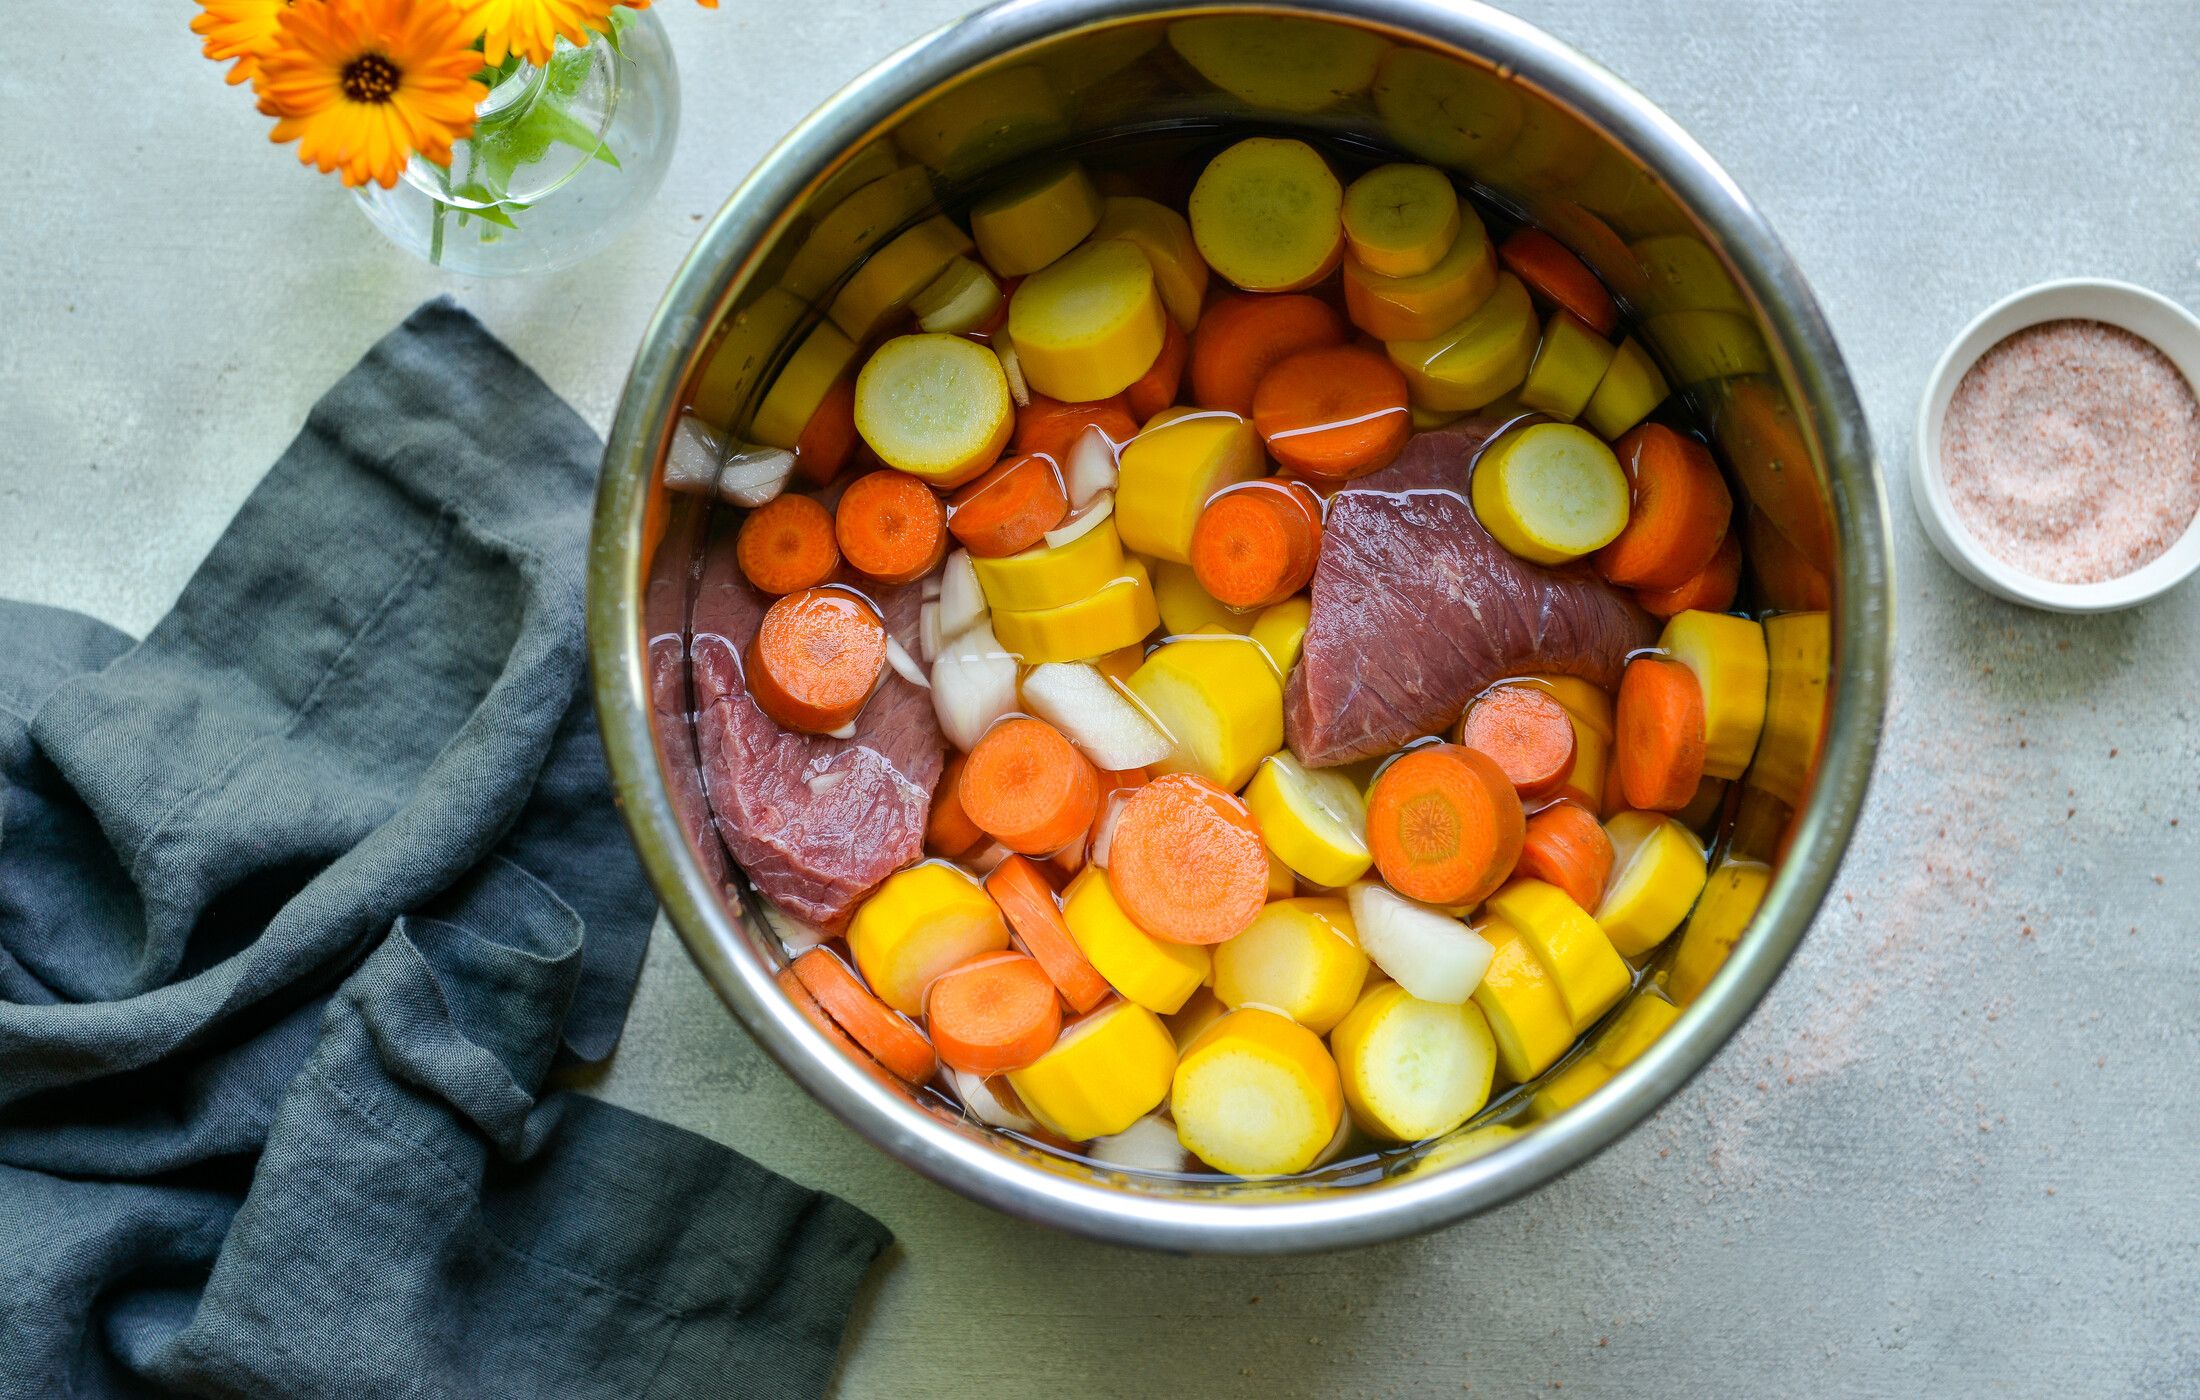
x,y
1314,819
1299,957
1631,387
1474,362
1089,324
855,226
1165,237
1413,1069
961,299
1451,113
1797,653
809,374
1106,1071
1729,901
748,341
1190,1020
1268,215
1657,872
1581,961
1550,492
1700,346
1220,702
917,925
1418,305
1727,655
1028,224
1187,607
1567,368
1400,220
1167,473
891,277
1633,1030
1150,971
983,120
1118,614
1281,629
934,406
1053,576
1527,1016
1256,1095
1277,63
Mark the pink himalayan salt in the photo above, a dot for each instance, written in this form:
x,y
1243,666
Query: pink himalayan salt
x,y
2072,451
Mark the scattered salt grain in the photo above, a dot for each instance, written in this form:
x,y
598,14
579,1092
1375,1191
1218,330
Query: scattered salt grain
x,y
2072,451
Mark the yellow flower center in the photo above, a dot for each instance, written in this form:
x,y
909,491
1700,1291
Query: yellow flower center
x,y
370,78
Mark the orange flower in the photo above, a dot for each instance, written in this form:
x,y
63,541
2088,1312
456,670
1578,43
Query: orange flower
x,y
363,84
530,28
239,29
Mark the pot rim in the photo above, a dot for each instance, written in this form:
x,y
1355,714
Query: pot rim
x,y
1809,365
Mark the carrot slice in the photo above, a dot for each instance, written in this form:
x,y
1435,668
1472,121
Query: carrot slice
x,y
891,527
1240,337
787,546
949,830
1335,412
1052,427
1156,388
816,658
1566,846
871,1023
1659,738
1679,511
1028,788
1010,508
1256,544
993,1014
1552,272
1035,917
829,438
1529,734
1186,861
1711,590
1444,824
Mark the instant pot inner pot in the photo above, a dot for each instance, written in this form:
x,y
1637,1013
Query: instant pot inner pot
x,y
1155,98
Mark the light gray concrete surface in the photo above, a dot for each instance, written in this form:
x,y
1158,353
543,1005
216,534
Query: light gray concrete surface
x,y
1954,1152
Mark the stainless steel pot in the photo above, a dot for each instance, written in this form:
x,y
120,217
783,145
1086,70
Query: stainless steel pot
x,y
1542,131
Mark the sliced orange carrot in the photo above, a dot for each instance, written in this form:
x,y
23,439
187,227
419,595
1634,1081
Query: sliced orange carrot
x,y
1566,846
1052,427
1028,788
871,1023
816,658
1444,824
1156,388
1010,508
1658,734
1678,512
1186,861
891,527
949,831
1711,590
1786,579
829,437
1529,734
1256,544
1239,337
1035,917
1334,412
1553,273
995,1013
787,546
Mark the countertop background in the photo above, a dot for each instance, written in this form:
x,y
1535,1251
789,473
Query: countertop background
x,y
1953,1153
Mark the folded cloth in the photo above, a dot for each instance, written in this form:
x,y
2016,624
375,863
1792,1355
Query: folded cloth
x,y
301,898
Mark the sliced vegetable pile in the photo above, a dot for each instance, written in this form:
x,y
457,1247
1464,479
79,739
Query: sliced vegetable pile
x,y
1103,437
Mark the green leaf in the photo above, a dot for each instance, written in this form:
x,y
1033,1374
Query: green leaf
x,y
491,209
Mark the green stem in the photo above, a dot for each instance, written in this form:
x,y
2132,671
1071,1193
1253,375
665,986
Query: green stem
x,y
435,235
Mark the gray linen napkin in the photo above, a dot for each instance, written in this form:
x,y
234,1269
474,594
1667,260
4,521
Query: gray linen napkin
x,y
300,899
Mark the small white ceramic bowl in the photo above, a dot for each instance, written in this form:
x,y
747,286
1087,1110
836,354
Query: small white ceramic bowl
x,y
2156,319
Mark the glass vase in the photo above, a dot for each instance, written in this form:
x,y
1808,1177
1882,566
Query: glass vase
x,y
562,157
